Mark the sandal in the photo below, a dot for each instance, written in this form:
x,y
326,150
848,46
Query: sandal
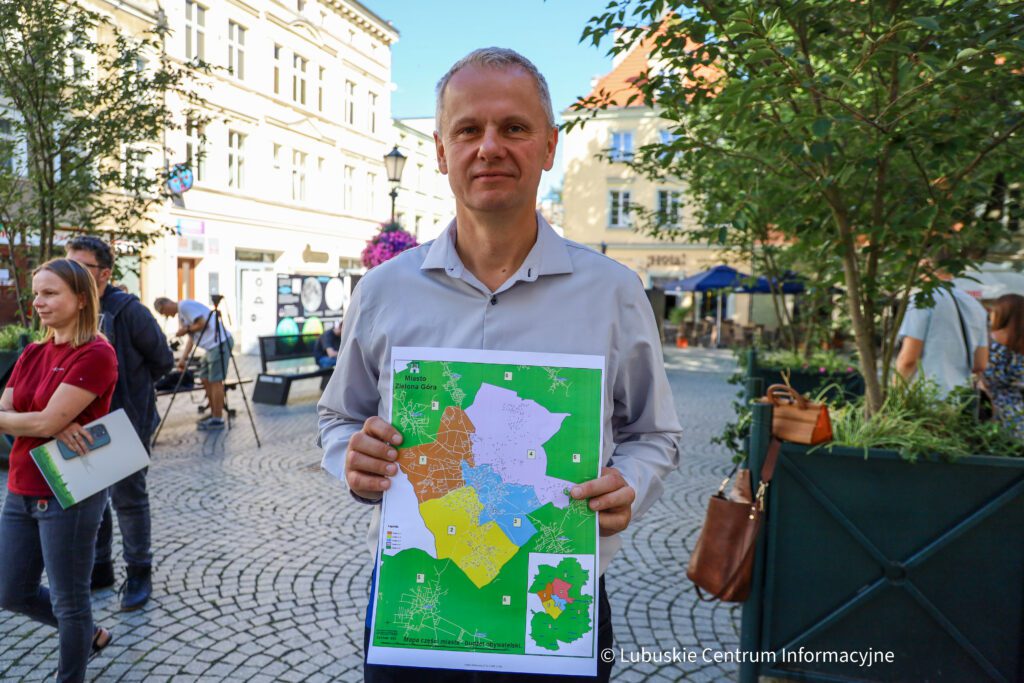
x,y
101,638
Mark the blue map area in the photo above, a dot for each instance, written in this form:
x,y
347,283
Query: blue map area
x,y
503,503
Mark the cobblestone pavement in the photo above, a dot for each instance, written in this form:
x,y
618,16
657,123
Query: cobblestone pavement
x,y
262,573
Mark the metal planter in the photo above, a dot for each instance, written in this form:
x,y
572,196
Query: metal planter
x,y
877,555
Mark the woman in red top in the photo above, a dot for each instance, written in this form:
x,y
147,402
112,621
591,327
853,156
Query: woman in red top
x,y
56,386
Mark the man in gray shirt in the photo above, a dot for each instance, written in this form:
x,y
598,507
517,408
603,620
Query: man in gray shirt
x,y
499,278
934,340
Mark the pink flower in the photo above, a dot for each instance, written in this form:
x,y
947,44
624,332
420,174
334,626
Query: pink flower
x,y
822,370
386,244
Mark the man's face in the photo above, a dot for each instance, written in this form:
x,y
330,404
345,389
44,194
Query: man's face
x,y
495,139
87,259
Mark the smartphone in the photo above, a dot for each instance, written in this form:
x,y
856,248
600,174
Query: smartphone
x,y
100,437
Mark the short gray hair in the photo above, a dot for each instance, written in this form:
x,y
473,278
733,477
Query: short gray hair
x,y
495,58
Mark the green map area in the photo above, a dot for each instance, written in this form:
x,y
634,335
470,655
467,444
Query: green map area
x,y
489,453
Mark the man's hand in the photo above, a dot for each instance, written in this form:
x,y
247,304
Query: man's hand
x,y
76,437
611,497
370,459
331,353
180,365
181,332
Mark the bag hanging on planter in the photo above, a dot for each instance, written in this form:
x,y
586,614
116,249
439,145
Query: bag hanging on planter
x,y
722,562
795,419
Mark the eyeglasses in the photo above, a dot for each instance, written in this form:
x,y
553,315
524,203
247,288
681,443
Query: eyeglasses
x,y
90,265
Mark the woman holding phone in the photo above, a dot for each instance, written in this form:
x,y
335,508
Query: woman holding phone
x,y
57,386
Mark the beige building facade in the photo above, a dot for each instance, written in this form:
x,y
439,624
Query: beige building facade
x,y
288,167
425,203
601,194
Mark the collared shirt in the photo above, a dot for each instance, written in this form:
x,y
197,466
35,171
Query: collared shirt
x,y
944,358
565,298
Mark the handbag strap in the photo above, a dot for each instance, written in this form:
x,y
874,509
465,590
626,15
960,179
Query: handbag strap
x,y
771,458
963,331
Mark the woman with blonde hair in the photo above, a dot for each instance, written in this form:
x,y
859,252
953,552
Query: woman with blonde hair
x,y
56,386
1004,377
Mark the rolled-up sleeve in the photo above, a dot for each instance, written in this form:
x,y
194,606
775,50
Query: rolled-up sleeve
x,y
645,424
351,396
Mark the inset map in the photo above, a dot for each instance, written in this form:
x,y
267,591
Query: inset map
x,y
560,605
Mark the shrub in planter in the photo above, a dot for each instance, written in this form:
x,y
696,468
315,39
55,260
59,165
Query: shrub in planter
x,y
828,373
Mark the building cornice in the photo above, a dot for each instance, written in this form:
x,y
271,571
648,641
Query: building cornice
x,y
364,18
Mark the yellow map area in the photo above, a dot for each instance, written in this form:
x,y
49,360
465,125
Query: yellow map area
x,y
479,551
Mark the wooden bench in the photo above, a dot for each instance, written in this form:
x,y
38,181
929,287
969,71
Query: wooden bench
x,y
284,359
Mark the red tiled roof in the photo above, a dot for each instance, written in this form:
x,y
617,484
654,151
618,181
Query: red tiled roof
x,y
621,81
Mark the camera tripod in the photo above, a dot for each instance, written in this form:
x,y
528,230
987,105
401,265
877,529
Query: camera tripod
x,y
215,315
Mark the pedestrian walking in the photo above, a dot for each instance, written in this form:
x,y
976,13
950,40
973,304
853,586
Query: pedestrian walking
x,y
143,356
500,278
57,385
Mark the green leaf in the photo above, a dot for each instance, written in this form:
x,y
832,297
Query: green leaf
x,y
821,127
966,53
822,150
927,23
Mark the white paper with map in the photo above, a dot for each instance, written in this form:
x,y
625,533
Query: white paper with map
x,y
484,561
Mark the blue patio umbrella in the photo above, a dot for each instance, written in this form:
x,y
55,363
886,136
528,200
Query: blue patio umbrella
x,y
791,284
719,277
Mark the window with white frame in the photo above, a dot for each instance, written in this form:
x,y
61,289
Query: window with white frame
x,y
320,186
134,167
350,103
236,160
419,177
299,79
7,145
320,89
195,149
278,171
298,175
346,190
371,193
667,137
371,105
195,30
668,207
277,69
622,146
236,50
618,209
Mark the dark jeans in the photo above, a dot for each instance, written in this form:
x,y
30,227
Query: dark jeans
x,y
131,501
35,534
379,673
327,361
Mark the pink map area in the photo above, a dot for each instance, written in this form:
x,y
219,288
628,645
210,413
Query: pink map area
x,y
508,428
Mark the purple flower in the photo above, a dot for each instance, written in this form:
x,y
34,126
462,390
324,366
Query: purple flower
x,y
822,370
391,241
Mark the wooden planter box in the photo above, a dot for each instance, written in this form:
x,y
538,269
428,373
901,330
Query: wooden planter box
x,y
924,561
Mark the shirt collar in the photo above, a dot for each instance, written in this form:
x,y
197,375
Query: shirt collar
x,y
548,256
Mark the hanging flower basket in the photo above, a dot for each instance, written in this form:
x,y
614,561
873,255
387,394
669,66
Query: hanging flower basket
x,y
391,241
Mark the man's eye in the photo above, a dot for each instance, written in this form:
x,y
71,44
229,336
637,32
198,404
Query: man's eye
x,y
516,128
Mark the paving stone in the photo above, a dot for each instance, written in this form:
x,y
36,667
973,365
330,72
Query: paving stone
x,y
261,572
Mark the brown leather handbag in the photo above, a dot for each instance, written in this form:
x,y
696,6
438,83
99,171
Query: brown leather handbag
x,y
795,419
722,563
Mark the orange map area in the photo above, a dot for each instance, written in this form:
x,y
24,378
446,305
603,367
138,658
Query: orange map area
x,y
435,469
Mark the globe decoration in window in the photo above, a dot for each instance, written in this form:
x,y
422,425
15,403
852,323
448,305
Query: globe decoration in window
x,y
180,179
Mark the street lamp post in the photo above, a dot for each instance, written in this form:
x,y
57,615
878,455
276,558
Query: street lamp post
x,y
394,163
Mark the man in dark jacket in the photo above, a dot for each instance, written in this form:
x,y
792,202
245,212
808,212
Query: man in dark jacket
x,y
143,356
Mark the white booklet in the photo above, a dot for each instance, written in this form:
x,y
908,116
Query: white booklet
x,y
117,453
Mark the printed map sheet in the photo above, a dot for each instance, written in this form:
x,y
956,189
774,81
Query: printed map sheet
x,y
484,561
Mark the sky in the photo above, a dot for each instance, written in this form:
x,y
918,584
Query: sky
x,y
437,33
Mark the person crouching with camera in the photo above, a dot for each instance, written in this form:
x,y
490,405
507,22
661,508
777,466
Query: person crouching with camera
x,y
57,386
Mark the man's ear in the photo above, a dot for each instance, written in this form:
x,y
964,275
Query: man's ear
x,y
442,161
552,144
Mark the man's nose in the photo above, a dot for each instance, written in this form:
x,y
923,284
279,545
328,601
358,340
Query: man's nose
x,y
490,144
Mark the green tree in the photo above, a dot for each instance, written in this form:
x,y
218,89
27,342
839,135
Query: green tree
x,y
885,131
83,112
